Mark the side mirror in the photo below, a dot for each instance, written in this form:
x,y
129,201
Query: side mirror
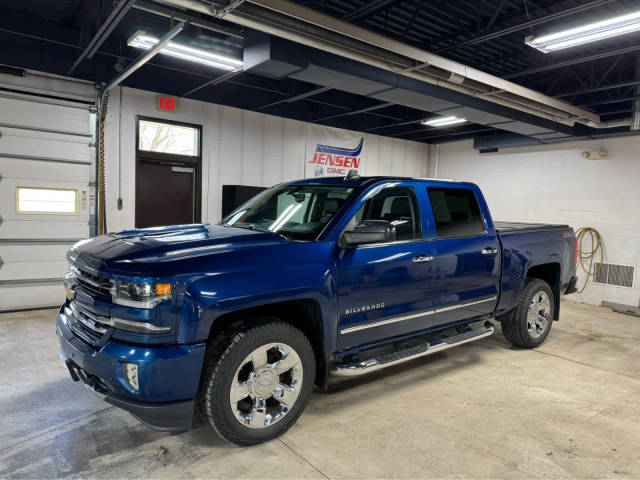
x,y
369,231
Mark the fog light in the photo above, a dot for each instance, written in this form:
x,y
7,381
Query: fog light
x,y
131,375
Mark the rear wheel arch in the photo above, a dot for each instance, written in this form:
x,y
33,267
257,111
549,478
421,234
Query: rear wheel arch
x,y
551,274
304,314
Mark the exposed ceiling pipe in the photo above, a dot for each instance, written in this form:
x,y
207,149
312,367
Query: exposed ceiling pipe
x,y
145,57
181,17
475,79
303,25
112,21
625,122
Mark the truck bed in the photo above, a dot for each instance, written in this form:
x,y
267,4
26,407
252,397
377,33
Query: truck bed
x,y
521,227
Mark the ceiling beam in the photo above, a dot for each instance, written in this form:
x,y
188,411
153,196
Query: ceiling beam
x,y
103,33
516,28
573,61
608,102
369,9
454,134
295,98
355,112
612,86
214,81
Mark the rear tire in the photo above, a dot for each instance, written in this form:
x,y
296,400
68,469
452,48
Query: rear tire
x,y
256,382
529,324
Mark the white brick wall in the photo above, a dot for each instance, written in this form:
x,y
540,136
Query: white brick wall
x,y
555,184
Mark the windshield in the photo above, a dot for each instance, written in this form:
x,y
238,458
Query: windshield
x,y
299,212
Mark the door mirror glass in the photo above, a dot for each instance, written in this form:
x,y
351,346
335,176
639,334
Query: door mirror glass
x,y
369,231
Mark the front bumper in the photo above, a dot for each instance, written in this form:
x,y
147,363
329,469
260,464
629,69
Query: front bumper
x,y
168,376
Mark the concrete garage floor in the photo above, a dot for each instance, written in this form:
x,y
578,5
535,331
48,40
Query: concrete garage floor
x,y
483,410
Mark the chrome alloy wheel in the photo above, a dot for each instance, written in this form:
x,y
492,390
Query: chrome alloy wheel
x,y
538,313
266,385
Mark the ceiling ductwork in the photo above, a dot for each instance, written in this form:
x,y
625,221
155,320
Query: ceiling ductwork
x,y
309,27
304,44
277,58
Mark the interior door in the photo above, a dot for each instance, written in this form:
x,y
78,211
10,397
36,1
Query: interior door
x,y
385,290
165,195
467,267
168,184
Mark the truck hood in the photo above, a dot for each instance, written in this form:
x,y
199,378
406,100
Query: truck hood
x,y
118,251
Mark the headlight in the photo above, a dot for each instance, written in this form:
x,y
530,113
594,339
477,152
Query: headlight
x,y
140,294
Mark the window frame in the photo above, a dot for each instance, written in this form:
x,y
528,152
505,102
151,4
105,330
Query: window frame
x,y
76,211
164,156
435,222
172,159
365,197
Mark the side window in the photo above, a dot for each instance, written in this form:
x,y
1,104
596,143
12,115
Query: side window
x,y
456,212
397,205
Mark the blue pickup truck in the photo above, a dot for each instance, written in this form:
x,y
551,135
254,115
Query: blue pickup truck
x,y
233,324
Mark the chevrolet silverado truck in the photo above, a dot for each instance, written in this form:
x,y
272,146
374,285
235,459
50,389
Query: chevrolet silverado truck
x,y
233,324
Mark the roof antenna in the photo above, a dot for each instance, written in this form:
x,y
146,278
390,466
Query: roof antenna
x,y
352,175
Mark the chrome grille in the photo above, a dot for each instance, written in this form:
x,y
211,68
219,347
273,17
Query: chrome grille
x,y
87,325
92,283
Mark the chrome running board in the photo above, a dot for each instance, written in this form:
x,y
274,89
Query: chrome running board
x,y
349,369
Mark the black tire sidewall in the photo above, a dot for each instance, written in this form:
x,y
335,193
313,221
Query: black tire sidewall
x,y
532,288
216,405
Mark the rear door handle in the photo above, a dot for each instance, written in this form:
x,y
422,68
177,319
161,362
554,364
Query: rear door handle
x,y
422,259
489,251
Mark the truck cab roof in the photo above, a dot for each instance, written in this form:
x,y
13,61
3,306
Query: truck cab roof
x,y
368,181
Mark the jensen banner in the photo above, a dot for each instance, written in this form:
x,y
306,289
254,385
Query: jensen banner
x,y
332,152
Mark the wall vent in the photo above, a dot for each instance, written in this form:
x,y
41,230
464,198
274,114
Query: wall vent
x,y
617,275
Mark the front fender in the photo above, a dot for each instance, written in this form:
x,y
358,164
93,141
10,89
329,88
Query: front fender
x,y
290,274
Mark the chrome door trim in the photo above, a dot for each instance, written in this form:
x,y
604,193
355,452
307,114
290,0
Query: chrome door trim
x,y
415,315
386,322
463,305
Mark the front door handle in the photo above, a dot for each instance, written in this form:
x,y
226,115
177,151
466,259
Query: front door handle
x,y
422,259
489,251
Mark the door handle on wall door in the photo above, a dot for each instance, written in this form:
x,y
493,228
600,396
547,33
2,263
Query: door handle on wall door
x,y
422,259
489,251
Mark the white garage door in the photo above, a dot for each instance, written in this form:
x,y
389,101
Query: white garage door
x,y
46,169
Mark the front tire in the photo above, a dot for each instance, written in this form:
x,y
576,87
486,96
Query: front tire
x,y
257,382
529,324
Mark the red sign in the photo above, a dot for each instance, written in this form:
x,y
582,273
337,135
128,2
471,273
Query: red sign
x,y
167,104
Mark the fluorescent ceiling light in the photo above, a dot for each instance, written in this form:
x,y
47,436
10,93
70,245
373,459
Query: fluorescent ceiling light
x,y
587,33
443,121
142,40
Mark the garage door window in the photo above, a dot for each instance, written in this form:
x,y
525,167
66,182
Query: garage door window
x,y
169,138
52,201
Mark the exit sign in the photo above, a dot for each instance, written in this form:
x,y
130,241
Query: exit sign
x,y
167,104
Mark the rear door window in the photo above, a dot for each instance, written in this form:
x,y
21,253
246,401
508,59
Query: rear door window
x,y
456,212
